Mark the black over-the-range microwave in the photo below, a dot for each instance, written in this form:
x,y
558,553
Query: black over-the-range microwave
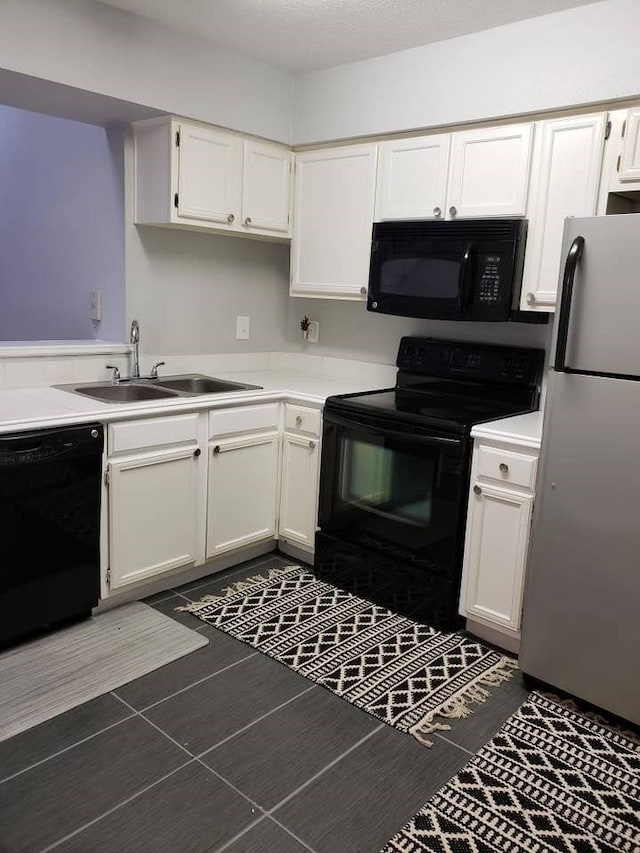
x,y
462,270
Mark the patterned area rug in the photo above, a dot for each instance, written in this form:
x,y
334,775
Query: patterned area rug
x,y
403,672
551,780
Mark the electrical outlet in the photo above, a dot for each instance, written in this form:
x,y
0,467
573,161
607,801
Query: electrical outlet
x,y
242,328
314,331
96,305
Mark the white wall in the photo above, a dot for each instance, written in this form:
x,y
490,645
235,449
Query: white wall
x,y
104,50
575,57
186,289
348,330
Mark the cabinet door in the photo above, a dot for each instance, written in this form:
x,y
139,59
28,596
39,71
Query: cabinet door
x,y
299,493
498,530
332,221
565,180
412,178
243,480
265,190
152,515
209,175
630,161
489,171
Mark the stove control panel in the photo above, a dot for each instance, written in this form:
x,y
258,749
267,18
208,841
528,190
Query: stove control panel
x,y
469,360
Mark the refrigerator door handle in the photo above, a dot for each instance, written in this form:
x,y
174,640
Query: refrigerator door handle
x,y
573,256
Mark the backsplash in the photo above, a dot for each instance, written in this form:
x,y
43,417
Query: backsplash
x,y
49,368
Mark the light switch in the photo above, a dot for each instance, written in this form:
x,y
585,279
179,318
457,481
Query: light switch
x,y
242,328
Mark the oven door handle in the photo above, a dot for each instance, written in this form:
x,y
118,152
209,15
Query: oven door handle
x,y
431,440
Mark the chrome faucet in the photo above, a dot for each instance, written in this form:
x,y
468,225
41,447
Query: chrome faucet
x,y
135,340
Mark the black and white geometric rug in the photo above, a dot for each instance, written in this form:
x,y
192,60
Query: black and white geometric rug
x,y
551,781
403,672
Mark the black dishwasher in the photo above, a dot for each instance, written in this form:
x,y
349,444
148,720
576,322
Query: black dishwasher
x,y
50,487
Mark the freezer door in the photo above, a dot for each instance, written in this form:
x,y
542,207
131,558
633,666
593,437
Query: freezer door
x,y
581,625
603,318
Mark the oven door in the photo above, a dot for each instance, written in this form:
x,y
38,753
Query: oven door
x,y
394,488
415,276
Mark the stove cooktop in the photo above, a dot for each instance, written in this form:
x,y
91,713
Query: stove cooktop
x,y
453,385
454,414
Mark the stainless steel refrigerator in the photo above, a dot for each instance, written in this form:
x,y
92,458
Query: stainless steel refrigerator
x,y
581,614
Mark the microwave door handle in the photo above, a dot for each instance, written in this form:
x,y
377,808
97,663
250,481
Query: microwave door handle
x,y
464,278
573,256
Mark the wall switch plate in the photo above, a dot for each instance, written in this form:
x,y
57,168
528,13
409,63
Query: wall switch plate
x,y
96,305
314,331
242,328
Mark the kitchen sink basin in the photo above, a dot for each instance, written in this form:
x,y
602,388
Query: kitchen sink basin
x,y
123,392
199,384
166,387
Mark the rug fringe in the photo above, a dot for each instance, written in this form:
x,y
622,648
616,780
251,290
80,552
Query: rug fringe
x,y
238,586
457,707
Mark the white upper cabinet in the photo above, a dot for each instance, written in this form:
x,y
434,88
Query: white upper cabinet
x,y
489,171
564,182
332,221
630,160
209,175
412,177
194,176
473,173
266,183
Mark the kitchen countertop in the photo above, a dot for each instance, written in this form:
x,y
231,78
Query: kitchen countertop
x,y
525,430
44,407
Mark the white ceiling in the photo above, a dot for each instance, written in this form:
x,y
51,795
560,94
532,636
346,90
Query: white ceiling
x,y
306,35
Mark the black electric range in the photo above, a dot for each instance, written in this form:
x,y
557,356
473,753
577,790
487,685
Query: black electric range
x,y
395,471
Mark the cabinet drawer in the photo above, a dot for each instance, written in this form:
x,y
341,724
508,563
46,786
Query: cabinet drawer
x,y
302,419
518,469
152,432
243,419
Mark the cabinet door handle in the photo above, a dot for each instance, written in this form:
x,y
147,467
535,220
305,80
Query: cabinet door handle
x,y
298,420
531,299
437,211
312,445
477,490
452,211
363,291
197,452
230,217
247,220
504,467
216,449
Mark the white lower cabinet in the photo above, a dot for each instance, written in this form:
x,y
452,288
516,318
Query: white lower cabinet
x,y
299,492
153,504
171,506
497,536
243,476
498,530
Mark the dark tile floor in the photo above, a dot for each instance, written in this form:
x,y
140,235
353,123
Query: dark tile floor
x,y
224,749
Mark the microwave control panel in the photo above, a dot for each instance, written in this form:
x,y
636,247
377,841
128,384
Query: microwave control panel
x,y
489,279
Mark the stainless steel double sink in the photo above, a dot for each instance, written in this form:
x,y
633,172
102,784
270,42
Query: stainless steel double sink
x,y
164,387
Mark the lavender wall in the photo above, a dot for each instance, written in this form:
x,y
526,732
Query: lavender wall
x,y
61,228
